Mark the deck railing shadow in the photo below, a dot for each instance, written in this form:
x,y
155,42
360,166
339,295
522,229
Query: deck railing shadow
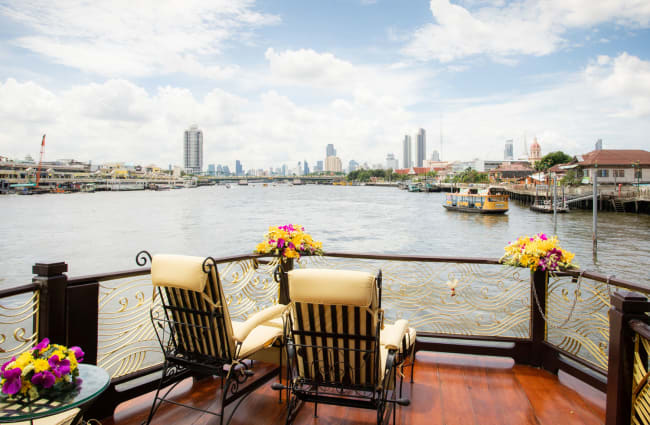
x,y
556,322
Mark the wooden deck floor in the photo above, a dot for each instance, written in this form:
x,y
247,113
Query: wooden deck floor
x,y
448,389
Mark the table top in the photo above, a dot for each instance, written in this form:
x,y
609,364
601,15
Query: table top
x,y
95,380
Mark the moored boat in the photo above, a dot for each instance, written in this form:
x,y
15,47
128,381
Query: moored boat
x,y
472,201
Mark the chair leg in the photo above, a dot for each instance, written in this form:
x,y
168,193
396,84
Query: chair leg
x,y
412,362
154,405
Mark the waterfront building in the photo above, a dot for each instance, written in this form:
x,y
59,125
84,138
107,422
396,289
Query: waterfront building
x,y
435,156
284,169
535,152
239,169
421,147
212,171
226,170
406,151
614,166
319,166
599,144
511,172
392,162
353,165
330,151
305,167
333,164
509,151
193,150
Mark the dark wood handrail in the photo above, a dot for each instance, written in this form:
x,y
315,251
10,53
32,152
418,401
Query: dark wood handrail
x,y
641,328
645,289
17,290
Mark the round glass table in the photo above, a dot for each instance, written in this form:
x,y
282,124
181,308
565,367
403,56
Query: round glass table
x,y
94,381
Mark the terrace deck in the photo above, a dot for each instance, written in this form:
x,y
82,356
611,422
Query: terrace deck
x,y
448,389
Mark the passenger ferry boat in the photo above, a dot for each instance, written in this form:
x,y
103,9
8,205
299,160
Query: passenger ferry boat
x,y
473,201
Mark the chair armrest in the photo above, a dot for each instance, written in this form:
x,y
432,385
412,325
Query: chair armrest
x,y
241,331
392,336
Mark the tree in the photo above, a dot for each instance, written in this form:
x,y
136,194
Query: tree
x,y
551,159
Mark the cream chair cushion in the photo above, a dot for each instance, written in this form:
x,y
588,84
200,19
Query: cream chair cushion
x,y
410,335
242,329
178,271
391,336
259,338
332,287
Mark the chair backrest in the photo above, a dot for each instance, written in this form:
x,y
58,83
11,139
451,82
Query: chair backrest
x,y
194,306
335,326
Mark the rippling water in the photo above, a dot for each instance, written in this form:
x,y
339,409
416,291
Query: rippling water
x,y
102,232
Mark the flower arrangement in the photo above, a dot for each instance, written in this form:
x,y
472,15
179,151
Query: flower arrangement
x,y
45,369
289,241
538,252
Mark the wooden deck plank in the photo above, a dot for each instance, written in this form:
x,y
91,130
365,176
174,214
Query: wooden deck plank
x,y
448,389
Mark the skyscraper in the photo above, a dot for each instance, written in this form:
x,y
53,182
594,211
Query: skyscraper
x,y
305,167
353,165
391,162
239,170
435,156
599,144
212,171
330,150
319,166
193,150
406,151
333,163
508,153
421,151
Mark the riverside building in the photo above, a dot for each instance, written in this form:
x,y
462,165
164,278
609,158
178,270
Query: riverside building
x,y
193,150
420,153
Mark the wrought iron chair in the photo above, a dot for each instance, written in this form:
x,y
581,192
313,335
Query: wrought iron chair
x,y
196,334
332,338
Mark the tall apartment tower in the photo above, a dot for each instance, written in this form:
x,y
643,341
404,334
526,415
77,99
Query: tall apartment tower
x,y
239,170
193,150
330,150
508,153
421,151
599,144
406,152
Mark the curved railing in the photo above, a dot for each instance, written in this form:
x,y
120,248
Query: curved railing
x,y
558,322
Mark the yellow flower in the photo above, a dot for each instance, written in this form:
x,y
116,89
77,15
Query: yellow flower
x,y
26,387
58,353
24,359
40,365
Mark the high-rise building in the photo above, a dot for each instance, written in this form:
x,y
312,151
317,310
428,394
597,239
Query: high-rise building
x,y
319,166
435,156
353,165
212,171
305,167
193,150
333,164
239,169
406,151
508,152
599,144
330,150
421,151
226,170
284,169
391,162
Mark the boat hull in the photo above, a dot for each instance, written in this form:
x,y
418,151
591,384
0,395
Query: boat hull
x,y
475,210
548,210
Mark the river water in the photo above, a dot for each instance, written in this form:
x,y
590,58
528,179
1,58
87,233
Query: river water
x,y
102,232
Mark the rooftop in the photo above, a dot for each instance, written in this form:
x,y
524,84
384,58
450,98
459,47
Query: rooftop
x,y
615,157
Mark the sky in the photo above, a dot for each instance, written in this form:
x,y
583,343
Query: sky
x,y
273,82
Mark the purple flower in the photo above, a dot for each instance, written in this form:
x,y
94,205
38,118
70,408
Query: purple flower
x,y
4,366
42,345
78,353
291,245
59,367
45,379
12,381
543,237
280,243
532,239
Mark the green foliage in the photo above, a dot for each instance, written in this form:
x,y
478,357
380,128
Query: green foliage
x,y
571,178
365,175
469,176
551,159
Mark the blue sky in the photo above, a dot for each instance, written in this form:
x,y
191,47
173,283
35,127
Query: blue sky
x,y
273,82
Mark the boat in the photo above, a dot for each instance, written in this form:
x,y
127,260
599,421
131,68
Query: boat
x,y
431,187
243,182
297,182
415,187
546,206
227,185
472,201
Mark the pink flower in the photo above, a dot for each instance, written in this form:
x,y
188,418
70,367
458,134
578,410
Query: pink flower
x,y
59,367
44,379
12,381
4,366
42,345
78,353
543,237
280,243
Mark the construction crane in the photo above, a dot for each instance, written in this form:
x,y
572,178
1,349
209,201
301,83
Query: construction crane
x,y
40,163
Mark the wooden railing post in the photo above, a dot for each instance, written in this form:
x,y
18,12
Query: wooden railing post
x,y
625,306
538,288
82,314
52,303
286,265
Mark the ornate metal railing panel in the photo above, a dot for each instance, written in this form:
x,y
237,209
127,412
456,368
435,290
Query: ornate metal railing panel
x,y
640,382
18,323
578,322
248,286
126,339
489,300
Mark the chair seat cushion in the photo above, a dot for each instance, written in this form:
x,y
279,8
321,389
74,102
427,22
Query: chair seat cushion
x,y
259,338
409,335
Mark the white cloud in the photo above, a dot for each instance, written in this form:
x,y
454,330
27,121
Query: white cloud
x,y
135,39
526,27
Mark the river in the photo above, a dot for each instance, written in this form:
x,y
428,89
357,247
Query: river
x,y
102,232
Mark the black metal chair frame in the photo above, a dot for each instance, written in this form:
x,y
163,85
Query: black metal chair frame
x,y
181,361
381,398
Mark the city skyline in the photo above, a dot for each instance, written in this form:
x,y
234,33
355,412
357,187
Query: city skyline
x,y
272,83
